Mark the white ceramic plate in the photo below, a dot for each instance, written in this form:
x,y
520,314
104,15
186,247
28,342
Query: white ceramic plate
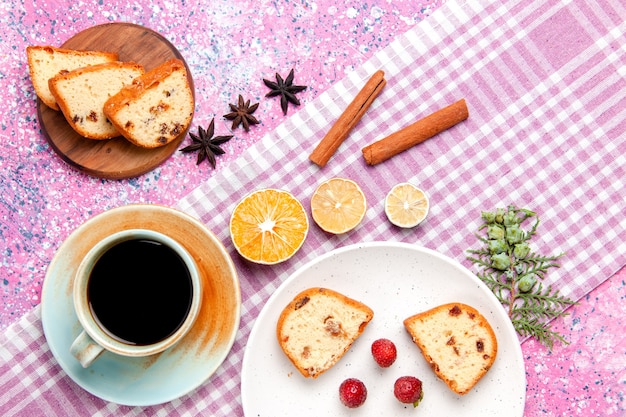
x,y
396,280
175,372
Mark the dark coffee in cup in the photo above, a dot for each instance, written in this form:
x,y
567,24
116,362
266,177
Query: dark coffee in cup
x,y
140,291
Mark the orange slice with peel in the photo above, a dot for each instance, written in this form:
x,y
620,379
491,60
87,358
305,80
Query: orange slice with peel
x,y
268,226
406,205
338,205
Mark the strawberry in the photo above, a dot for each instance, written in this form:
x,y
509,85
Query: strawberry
x,y
384,352
352,393
408,390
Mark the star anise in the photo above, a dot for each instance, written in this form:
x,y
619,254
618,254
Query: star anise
x,y
285,89
242,114
207,145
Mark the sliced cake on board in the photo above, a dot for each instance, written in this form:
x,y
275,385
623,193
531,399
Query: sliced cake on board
x,y
45,62
81,95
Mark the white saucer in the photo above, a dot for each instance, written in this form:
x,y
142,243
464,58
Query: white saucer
x,y
177,371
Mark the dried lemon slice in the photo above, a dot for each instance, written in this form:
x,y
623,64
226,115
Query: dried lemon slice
x,y
338,205
268,226
406,205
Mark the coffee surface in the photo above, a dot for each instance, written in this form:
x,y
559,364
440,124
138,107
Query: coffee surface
x,y
140,291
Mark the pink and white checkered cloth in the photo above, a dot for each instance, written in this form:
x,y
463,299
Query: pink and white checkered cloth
x,y
545,83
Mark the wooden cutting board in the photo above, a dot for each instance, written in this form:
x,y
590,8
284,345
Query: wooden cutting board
x,y
114,158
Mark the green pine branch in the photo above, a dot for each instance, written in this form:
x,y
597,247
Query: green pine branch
x,y
538,330
512,271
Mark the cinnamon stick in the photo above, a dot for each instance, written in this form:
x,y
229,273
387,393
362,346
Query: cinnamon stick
x,y
415,133
348,119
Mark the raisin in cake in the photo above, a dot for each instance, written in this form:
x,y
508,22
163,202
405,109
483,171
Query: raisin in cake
x,y
457,341
81,95
156,108
318,327
45,62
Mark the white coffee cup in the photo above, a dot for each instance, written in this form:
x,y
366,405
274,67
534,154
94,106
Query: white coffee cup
x,y
95,336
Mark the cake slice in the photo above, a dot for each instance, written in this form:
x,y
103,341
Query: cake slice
x,y
45,62
81,95
318,327
156,108
458,343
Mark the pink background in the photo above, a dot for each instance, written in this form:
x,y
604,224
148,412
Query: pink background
x,y
234,45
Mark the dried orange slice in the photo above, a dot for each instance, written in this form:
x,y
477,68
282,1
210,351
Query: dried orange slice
x,y
406,205
338,205
268,226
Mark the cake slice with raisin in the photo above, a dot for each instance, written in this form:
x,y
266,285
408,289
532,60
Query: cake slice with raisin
x,y
318,327
81,94
457,341
45,62
156,108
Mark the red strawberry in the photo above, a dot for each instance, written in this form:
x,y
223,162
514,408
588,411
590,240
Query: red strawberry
x,y
408,390
384,352
352,393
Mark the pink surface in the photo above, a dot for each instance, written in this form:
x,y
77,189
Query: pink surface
x,y
233,45
587,377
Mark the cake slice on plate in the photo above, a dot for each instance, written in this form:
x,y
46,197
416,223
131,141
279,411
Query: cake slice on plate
x,y
318,327
458,343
